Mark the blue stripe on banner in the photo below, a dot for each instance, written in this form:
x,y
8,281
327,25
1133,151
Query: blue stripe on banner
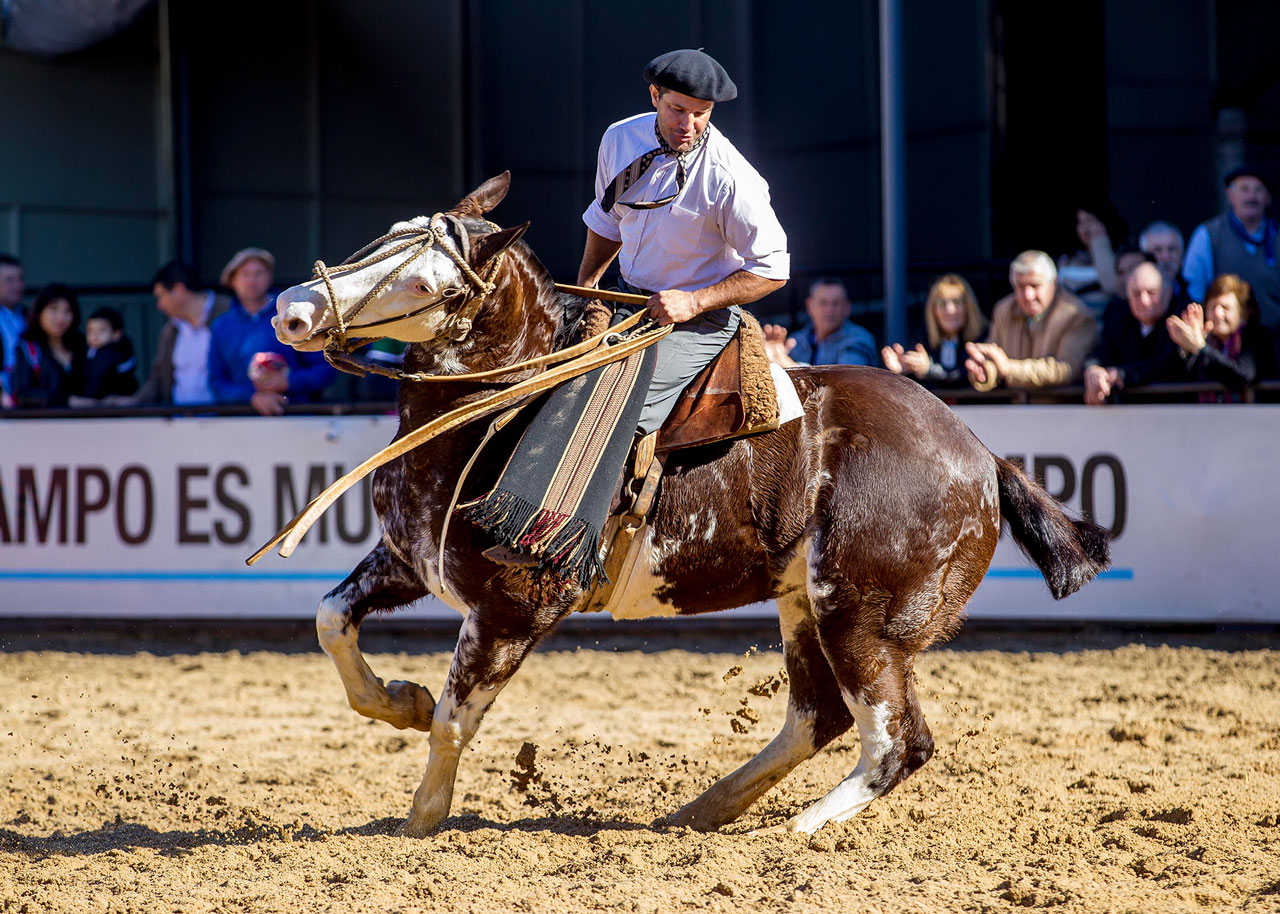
x,y
1115,574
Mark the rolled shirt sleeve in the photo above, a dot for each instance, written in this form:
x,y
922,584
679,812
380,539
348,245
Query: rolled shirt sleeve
x,y
750,226
603,224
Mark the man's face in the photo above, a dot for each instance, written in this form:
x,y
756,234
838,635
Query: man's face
x,y
169,301
251,280
1033,292
1248,198
1147,301
12,283
1166,248
828,308
682,119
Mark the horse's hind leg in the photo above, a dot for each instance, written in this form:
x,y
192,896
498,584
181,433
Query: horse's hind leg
x,y
815,716
894,737
380,581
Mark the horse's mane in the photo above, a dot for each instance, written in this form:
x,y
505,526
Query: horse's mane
x,y
564,308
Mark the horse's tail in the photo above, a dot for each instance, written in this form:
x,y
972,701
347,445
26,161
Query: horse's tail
x,y
1069,553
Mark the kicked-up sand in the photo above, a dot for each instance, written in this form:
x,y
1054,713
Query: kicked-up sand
x,y
1075,772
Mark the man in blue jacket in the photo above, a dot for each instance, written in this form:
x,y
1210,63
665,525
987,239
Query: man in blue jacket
x,y
247,364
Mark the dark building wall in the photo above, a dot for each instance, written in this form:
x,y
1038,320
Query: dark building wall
x,y
1160,111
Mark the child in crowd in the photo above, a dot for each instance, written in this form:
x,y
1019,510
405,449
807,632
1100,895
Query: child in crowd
x,y
111,363
951,318
1220,342
51,351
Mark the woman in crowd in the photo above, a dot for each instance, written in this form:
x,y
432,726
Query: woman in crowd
x,y
1220,342
51,352
951,319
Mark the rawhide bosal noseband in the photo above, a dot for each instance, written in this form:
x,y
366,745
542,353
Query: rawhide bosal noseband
x,y
419,240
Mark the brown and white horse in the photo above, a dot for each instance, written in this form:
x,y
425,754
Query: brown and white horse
x,y
871,520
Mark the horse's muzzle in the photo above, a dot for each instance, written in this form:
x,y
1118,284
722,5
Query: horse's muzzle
x,y
297,318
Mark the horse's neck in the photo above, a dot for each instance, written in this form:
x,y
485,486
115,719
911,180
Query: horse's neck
x,y
523,320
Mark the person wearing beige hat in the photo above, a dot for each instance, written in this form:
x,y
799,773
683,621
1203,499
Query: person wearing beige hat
x,y
247,364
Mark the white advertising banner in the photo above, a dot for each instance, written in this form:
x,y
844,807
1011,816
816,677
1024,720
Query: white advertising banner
x,y
153,518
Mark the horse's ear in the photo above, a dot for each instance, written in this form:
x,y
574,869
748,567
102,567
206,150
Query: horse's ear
x,y
486,247
485,197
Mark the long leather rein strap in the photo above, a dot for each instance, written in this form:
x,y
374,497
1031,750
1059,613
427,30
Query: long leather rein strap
x,y
296,529
337,356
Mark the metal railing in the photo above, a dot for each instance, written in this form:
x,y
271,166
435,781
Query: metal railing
x,y
1263,391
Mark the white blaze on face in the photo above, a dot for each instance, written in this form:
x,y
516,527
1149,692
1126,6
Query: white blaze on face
x,y
304,313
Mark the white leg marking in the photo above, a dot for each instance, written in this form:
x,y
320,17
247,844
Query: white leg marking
x,y
410,706
730,796
854,793
452,727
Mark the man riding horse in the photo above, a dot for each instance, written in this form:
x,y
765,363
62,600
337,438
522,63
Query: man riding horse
x,y
695,232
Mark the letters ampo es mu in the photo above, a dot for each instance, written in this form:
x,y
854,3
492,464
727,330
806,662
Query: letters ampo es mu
x,y
86,504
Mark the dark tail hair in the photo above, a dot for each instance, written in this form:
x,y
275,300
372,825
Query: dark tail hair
x,y
1069,553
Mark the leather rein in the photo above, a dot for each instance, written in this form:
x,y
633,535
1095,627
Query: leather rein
x,y
613,344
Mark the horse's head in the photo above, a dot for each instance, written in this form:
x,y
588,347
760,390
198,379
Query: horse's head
x,y
420,281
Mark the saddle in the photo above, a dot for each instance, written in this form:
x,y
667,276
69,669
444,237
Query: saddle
x,y
733,397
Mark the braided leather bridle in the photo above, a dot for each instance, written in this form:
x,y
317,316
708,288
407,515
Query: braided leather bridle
x,y
418,240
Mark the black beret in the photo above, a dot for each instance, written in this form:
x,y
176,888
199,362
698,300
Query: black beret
x,y
694,73
1250,171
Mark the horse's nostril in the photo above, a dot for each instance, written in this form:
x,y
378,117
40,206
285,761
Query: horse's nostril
x,y
294,325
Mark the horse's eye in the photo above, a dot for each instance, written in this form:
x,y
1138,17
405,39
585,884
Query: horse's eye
x,y
422,288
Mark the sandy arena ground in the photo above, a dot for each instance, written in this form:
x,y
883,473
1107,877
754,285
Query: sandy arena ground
x,y
1117,777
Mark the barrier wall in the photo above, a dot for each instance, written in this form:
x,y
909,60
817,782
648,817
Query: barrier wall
x,y
153,518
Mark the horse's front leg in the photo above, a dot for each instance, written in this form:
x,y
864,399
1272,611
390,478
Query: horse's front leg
x,y
491,646
380,581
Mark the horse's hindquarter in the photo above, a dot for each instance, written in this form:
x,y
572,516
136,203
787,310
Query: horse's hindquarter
x,y
879,479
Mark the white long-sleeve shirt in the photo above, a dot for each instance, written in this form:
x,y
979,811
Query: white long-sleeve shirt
x,y
721,223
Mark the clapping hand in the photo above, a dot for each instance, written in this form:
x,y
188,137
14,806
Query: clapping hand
x,y
1189,331
906,361
777,346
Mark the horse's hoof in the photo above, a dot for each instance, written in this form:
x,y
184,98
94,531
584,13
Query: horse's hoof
x,y
413,705
416,827
688,817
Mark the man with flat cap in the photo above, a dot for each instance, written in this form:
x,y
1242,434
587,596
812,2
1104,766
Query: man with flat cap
x,y
689,219
1243,241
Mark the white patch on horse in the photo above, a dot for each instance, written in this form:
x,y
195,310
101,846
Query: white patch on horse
x,y
854,793
639,600
338,639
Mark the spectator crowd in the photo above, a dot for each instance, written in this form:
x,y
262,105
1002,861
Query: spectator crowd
x,y
1111,315
215,347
